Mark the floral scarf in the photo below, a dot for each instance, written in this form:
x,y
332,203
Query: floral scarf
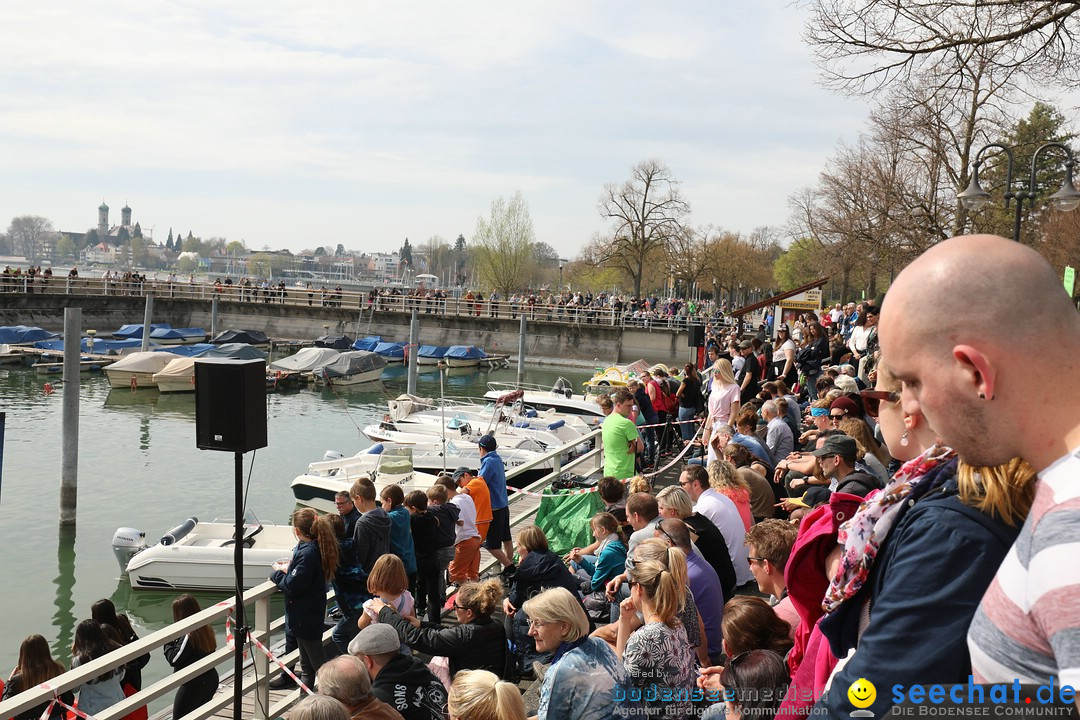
x,y
864,533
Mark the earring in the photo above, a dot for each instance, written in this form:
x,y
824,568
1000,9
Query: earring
x,y
904,439
982,396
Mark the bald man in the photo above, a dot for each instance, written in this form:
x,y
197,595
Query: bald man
x,y
987,345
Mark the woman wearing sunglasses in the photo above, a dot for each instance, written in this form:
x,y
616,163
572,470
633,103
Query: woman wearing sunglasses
x,y
917,558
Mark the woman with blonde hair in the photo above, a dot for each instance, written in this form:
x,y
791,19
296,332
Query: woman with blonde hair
x,y
303,580
584,672
919,555
480,695
657,655
723,402
872,454
725,479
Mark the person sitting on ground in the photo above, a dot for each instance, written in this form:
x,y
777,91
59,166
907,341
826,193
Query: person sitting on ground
x,y
725,479
610,557
480,695
836,459
778,439
476,642
347,680
673,502
401,681
584,671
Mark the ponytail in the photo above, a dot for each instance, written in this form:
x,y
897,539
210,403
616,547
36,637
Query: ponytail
x,y
664,586
668,599
312,525
676,565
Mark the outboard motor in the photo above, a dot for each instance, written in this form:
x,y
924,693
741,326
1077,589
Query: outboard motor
x,y
180,531
332,455
126,544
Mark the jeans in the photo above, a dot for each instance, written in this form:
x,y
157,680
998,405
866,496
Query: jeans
x,y
312,657
687,428
811,386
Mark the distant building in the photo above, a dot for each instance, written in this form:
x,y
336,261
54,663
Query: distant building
x,y
104,230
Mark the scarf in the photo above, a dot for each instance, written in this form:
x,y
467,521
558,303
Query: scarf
x,y
863,535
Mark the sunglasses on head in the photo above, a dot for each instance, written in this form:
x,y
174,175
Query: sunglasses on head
x,y
872,400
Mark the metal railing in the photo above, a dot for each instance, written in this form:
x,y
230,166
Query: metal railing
x,y
604,315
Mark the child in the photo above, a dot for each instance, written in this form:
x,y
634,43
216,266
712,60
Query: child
x,y
401,540
388,582
425,532
466,563
349,584
447,513
187,650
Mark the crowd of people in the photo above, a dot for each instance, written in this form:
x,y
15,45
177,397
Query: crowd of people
x,y
886,494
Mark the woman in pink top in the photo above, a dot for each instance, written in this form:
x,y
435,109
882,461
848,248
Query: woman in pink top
x,y
725,479
723,402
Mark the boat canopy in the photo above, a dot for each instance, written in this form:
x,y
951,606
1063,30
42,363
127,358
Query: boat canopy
x,y
391,350
127,332
150,362
251,337
367,343
193,350
432,351
337,342
102,346
352,362
306,360
179,369
466,352
235,351
168,333
24,334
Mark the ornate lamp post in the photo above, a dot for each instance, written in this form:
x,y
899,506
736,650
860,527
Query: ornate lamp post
x,y
1065,199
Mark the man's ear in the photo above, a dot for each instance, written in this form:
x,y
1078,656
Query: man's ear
x,y
983,377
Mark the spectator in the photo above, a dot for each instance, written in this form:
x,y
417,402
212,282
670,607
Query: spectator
x,y
703,582
498,541
770,543
401,539
318,707
674,502
36,666
725,479
447,513
721,511
372,530
480,695
347,680
188,650
401,681
466,563
620,437
91,643
425,533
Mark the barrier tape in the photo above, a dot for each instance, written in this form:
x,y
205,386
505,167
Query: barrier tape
x,y
57,701
281,665
229,639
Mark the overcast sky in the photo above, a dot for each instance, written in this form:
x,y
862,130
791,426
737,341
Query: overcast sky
x,y
298,124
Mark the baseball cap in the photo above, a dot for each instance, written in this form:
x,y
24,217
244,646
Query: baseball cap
x,y
461,471
841,445
375,639
487,442
745,345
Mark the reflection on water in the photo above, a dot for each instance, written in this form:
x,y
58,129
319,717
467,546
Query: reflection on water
x,y
64,617
148,402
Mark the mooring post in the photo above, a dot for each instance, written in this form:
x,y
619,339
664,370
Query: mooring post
x,y
213,316
147,314
414,348
69,456
521,352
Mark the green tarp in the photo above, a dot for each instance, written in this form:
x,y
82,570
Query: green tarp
x,y
565,519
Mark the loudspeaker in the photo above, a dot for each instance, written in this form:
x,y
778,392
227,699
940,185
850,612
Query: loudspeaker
x,y
696,336
230,404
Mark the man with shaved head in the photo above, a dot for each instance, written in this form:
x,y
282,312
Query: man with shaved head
x,y
987,345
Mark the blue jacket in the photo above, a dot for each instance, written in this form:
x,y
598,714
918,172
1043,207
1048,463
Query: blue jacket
x,y
401,543
608,564
924,588
493,471
305,592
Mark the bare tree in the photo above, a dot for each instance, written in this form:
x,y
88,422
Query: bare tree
x,y
864,45
501,248
26,234
647,213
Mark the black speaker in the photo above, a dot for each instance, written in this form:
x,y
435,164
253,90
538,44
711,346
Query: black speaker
x,y
230,404
696,336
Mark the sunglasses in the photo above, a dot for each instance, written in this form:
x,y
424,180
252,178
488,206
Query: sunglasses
x,y
872,400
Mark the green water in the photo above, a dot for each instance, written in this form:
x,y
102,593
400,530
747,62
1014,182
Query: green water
x,y
139,467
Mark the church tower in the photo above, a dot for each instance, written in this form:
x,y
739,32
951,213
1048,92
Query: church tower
x,y
125,216
103,220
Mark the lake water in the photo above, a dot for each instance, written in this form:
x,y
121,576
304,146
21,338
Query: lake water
x,y
139,467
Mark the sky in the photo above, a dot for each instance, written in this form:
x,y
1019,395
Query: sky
x,y
294,125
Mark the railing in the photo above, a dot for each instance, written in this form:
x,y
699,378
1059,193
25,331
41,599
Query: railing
x,y
261,629
362,301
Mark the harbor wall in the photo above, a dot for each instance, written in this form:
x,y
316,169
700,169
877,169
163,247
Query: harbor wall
x,y
583,344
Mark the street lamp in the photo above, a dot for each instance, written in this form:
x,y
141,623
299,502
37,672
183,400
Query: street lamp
x,y
1065,199
560,277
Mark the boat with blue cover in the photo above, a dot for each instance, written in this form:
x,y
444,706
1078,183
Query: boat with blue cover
x,y
392,352
134,331
465,356
431,354
367,343
24,335
178,336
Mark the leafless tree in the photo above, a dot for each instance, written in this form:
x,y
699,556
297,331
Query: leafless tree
x,y
864,45
26,234
647,213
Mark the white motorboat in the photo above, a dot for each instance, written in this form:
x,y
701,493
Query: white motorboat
x,y
199,555
305,360
317,487
431,429
559,398
137,369
177,376
352,367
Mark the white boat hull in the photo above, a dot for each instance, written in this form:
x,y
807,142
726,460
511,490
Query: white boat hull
x,y
128,379
317,491
364,377
203,561
463,362
177,385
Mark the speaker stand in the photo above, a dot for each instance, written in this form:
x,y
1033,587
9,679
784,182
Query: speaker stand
x,y
240,634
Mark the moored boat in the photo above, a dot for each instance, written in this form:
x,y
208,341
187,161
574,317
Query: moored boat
x,y
464,356
350,368
430,354
317,487
392,352
137,369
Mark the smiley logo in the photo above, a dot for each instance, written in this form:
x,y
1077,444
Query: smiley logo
x,y
862,693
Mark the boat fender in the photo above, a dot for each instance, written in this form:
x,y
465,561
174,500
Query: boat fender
x,y
134,382
531,413
556,425
521,424
179,531
376,449
47,389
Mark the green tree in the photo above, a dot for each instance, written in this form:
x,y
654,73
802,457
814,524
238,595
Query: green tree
x,y
459,244
799,264
92,238
502,245
405,257
320,252
65,248
123,237
138,251
340,251
187,264
235,247
170,243
137,232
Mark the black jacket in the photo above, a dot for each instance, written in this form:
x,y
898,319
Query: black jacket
x,y
305,592
479,645
714,550
541,569
372,537
406,685
14,687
